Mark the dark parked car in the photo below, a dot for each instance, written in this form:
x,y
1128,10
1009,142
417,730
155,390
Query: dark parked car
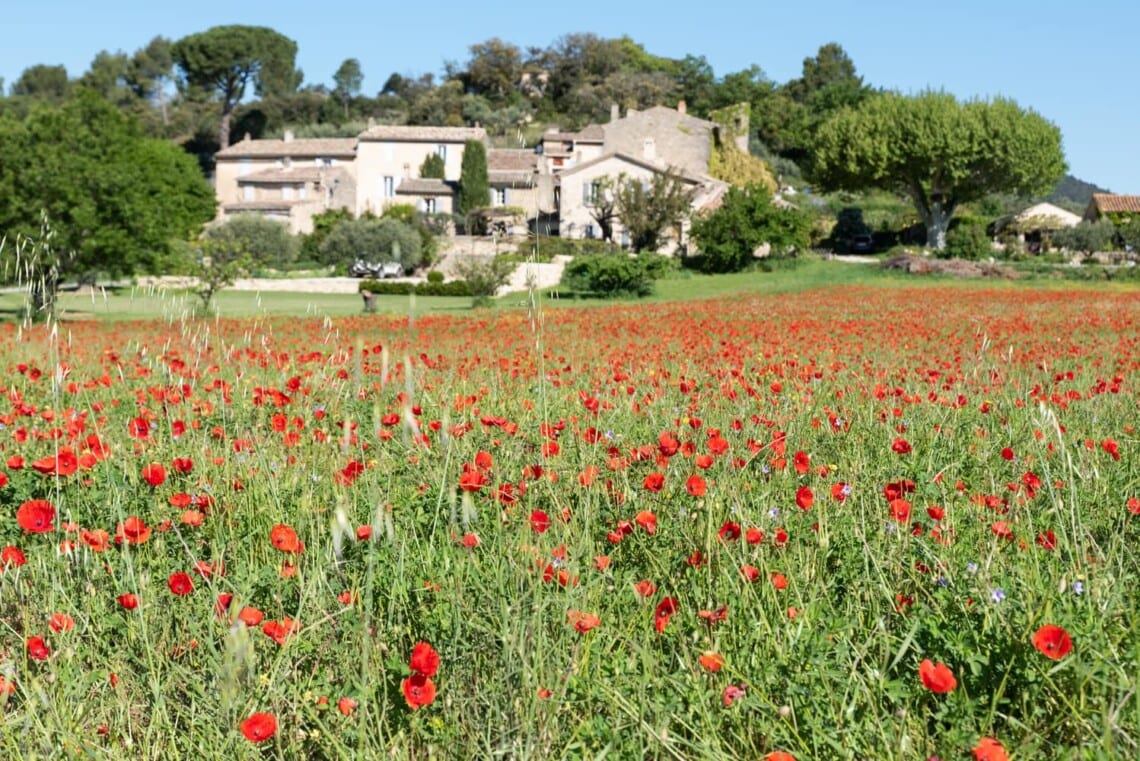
x,y
861,244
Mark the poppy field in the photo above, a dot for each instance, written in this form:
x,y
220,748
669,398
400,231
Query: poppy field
x,y
849,523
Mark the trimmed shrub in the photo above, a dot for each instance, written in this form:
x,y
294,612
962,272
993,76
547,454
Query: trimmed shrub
x,y
967,239
373,240
616,275
267,243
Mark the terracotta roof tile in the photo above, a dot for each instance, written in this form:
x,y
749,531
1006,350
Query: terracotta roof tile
x,y
333,146
424,187
405,133
1108,203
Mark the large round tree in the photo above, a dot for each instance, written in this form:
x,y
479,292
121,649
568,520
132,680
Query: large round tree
x,y
940,152
112,199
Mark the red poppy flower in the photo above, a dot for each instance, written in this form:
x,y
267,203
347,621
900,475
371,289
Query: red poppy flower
x,y
779,581
1053,641
750,572
583,622
989,749
732,693
665,610
1110,446
133,531
37,649
419,691
805,498
128,601
936,677
647,521
729,531
645,588
1134,505
802,462
754,536
61,622
346,706
36,516
250,616
259,727
711,661
12,557
900,446
900,510
154,474
424,660
779,755
539,522
280,631
654,482
284,538
180,583
696,486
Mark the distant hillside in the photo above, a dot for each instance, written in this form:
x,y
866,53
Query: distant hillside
x,y
1076,192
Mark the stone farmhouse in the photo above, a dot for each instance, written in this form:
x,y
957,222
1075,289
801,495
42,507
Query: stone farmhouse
x,y
551,187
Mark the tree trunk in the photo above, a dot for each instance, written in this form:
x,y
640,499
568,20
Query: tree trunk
x,y
224,129
937,220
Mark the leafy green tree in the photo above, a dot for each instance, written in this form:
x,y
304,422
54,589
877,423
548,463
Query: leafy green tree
x,y
649,209
219,262
373,240
224,60
44,82
113,198
347,81
484,275
474,185
110,76
614,275
494,68
746,220
940,152
268,242
433,167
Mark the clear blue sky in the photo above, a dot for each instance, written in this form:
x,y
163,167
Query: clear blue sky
x,y
1076,63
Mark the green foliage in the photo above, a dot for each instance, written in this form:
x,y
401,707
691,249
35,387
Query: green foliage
x,y
1086,237
113,198
747,219
474,186
347,81
1128,235
219,262
267,242
425,226
435,277
484,275
49,83
222,61
615,275
323,224
940,152
373,240
967,239
433,167
648,210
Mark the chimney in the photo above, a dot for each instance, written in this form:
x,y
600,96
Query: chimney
x,y
288,136
615,112
682,108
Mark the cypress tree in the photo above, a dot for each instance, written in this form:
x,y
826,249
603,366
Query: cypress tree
x,y
474,187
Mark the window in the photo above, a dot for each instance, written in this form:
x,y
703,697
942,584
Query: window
x,y
498,196
441,151
589,231
247,192
589,190
389,187
302,192
287,193
245,167
325,162
429,205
